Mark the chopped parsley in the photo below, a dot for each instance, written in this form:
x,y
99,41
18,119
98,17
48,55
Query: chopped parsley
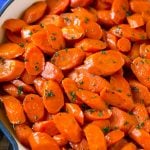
x,y
53,38
73,96
20,90
100,113
106,130
103,52
81,82
21,44
86,20
36,68
49,93
139,126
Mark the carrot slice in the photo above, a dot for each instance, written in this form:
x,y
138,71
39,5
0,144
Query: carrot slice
x,y
129,146
52,72
102,5
23,132
93,141
60,139
68,58
10,69
68,126
10,50
90,45
148,29
34,12
53,98
48,127
13,109
34,60
145,51
104,63
34,108
80,3
111,40
42,141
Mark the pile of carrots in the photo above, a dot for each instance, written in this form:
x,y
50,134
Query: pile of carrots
x,y
75,75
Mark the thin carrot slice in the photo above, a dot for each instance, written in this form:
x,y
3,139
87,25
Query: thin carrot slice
x,y
145,51
104,62
42,141
129,146
68,126
80,3
90,45
34,60
34,12
114,136
10,69
93,141
60,139
111,40
34,108
10,50
53,98
68,58
48,127
76,111
23,132
13,109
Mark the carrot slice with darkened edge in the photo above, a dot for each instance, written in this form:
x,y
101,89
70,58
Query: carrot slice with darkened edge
x,y
53,98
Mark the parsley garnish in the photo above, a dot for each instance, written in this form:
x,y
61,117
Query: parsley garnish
x,y
139,126
106,130
86,20
100,113
49,93
103,52
21,44
20,90
53,38
73,96
36,68
80,82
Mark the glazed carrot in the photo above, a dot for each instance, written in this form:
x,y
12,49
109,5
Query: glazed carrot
x,y
146,126
23,132
145,51
148,29
14,25
52,72
13,109
33,107
93,141
10,50
135,20
76,111
139,136
92,29
10,69
68,126
47,126
114,136
92,114
146,16
39,85
53,98
143,65
80,3
90,45
57,7
129,146
118,10
104,62
93,100
25,87
111,40
42,141
34,12
34,60
60,139
73,32
125,121
140,92
102,5
127,60
124,45
68,58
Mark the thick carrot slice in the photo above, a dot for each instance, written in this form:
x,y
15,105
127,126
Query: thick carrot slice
x,y
140,92
34,60
42,141
52,72
67,125
21,85
141,64
68,58
60,139
80,3
104,62
34,12
76,111
93,141
53,98
92,114
122,120
57,7
90,45
146,125
111,40
34,108
93,100
145,51
10,69
146,16
13,109
139,136
14,25
73,32
129,146
102,5
118,10
114,136
148,29
48,127
135,20
10,50
23,132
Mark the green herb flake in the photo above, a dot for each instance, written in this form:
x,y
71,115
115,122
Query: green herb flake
x,y
126,123
21,44
49,93
103,52
100,113
106,130
139,126
36,68
128,13
86,20
53,38
30,33
73,96
20,90
135,89
91,110
119,90
81,82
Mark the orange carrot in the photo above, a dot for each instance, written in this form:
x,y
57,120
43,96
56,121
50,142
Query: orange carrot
x,y
148,29
111,40
60,139
145,51
80,3
129,146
